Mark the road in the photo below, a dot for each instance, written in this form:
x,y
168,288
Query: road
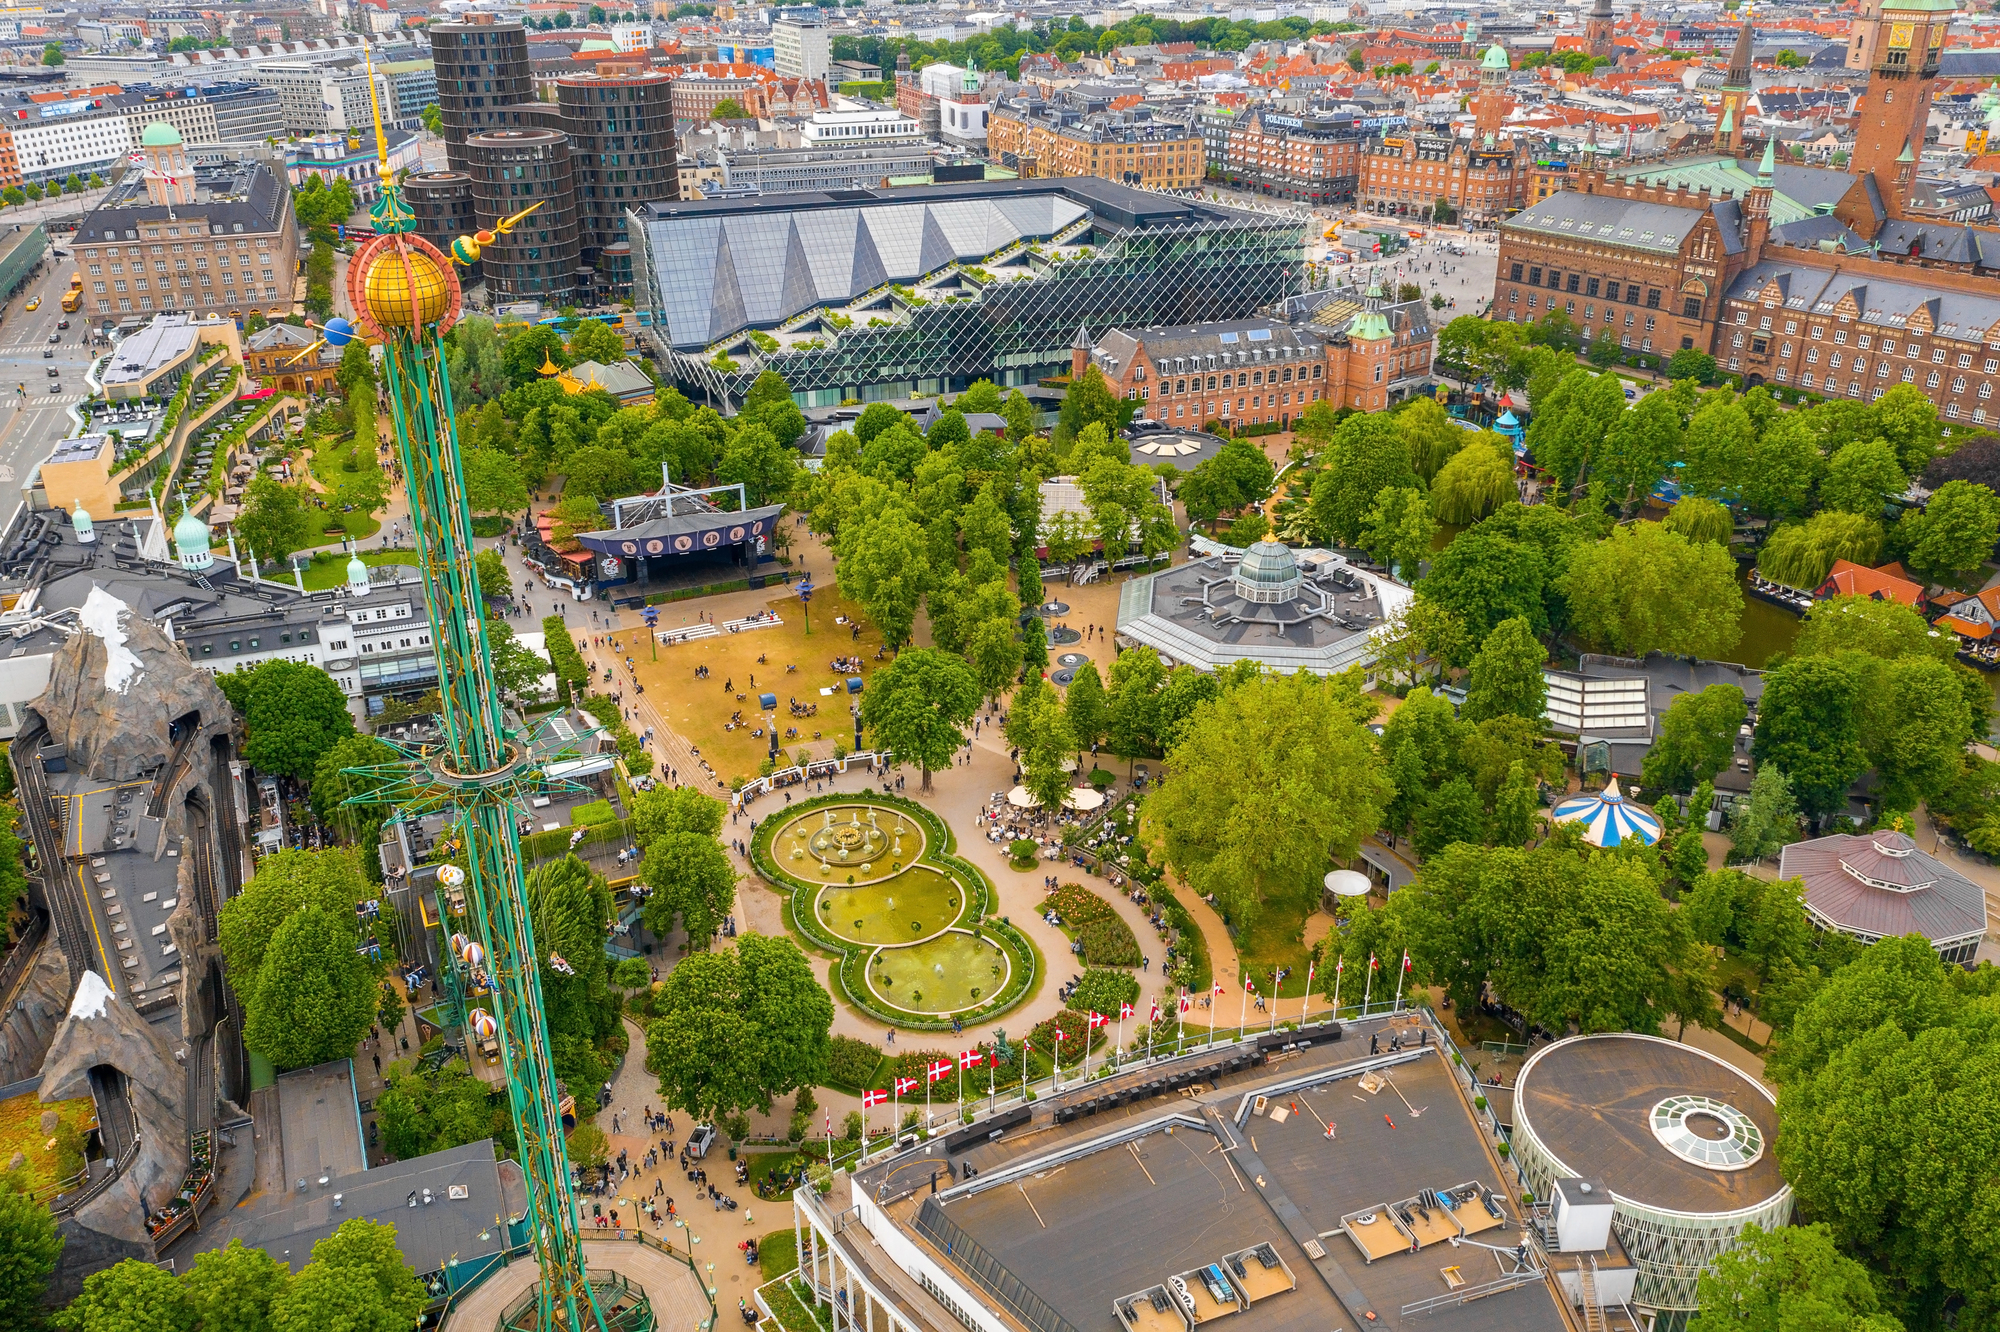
x,y
33,405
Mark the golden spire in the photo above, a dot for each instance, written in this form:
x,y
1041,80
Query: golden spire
x,y
382,167
549,367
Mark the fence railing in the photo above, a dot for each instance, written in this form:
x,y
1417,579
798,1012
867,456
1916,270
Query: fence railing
x,y
22,955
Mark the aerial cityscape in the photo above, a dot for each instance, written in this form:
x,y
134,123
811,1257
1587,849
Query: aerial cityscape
x,y
882,667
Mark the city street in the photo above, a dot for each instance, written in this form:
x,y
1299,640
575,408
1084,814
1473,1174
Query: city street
x,y
34,406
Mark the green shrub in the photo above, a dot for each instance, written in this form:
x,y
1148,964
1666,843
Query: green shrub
x,y
1101,990
1107,939
596,812
853,1063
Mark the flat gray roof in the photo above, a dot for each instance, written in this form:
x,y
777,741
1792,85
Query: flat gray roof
x,y
320,1122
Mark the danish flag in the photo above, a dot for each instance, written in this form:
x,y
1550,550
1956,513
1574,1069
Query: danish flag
x,y
870,1098
905,1084
971,1059
1097,1019
1124,1011
939,1069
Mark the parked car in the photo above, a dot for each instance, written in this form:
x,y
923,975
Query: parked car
x,y
701,1140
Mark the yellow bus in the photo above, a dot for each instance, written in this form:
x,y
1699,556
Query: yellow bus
x,y
73,298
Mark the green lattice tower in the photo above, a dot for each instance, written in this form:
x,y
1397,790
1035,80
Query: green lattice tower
x,y
403,290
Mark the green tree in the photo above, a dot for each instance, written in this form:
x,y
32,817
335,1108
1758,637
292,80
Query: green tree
x,y
478,371
1688,363
1955,533
1133,718
315,995
739,1027
884,565
1800,555
1915,725
1433,435
1646,589
494,580
1808,728
1907,418
232,1289
432,118
1768,820
333,788
131,1296
1050,742
1699,519
1366,455
1089,401
1399,530
1762,921
1881,629
766,467
595,340
1477,480
1642,445
524,350
286,883
1719,444
1482,578
1507,675
1269,783
1514,807
1561,937
29,1248
1085,706
692,878
357,1281
727,109
1448,815
1861,478
1697,738
1886,1079
1572,420
294,713
675,809
52,53
918,707
1793,1279
273,522
1785,464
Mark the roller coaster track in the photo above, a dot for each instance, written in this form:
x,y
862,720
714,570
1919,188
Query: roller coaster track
x,y
170,771
49,828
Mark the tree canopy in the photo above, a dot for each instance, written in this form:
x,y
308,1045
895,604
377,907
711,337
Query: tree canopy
x,y
740,1026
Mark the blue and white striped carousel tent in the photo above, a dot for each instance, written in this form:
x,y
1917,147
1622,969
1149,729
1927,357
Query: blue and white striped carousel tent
x,y
1608,818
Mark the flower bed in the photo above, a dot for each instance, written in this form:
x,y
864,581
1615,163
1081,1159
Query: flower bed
x,y
849,977
1107,940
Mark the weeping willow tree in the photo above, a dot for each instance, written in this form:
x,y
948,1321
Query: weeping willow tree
x,y
1477,480
1700,519
1433,436
1800,554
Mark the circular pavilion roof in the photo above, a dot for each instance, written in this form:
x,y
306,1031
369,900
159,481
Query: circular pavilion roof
x,y
1663,1124
160,134
1608,818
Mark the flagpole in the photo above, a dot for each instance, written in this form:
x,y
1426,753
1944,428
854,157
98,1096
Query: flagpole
x,y
1306,1007
1119,1049
1243,1008
1211,1019
1401,972
1339,974
895,1106
1026,1050
1368,987
1274,999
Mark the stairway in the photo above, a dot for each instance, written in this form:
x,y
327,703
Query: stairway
x,y
1593,1312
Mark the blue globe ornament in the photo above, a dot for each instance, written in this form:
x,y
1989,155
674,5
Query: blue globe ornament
x,y
339,332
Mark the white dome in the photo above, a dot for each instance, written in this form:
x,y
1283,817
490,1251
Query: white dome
x,y
357,574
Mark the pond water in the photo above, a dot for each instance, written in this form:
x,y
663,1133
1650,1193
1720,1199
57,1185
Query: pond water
x,y
913,905
951,972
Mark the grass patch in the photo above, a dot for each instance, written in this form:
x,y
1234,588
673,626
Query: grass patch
x,y
778,1254
591,815
21,1131
1275,939
330,570
356,526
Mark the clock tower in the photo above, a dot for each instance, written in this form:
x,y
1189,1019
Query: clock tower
x,y
1898,43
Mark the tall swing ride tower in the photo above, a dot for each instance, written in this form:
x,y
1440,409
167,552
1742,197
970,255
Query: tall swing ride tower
x,y
405,296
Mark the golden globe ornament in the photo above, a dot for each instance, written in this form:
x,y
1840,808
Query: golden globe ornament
x,y
402,283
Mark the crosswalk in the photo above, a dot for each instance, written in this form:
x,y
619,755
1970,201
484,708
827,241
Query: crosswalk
x,y
52,400
35,349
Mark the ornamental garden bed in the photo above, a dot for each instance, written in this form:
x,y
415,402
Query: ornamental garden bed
x,y
874,881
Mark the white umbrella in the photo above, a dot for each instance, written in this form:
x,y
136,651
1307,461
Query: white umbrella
x,y
1084,797
1022,798
1346,883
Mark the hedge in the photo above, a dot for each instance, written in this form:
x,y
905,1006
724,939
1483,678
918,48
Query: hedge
x,y
568,662
853,1064
605,709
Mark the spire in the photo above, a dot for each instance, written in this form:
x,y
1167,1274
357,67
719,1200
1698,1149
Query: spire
x,y
1728,119
1768,168
1739,62
1082,341
1906,156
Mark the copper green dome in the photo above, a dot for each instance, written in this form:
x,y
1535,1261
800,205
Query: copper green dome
x,y
160,134
1496,58
1368,326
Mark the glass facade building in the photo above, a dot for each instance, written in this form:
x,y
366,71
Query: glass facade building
x,y
868,295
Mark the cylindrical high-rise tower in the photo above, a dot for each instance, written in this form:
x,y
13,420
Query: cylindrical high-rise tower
x,y
510,170
481,69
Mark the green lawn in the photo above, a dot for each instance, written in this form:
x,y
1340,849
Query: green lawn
x,y
778,1253
1273,941
353,526
330,571
793,1313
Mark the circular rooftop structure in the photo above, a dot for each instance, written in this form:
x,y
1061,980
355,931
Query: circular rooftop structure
x,y
159,134
1680,1140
